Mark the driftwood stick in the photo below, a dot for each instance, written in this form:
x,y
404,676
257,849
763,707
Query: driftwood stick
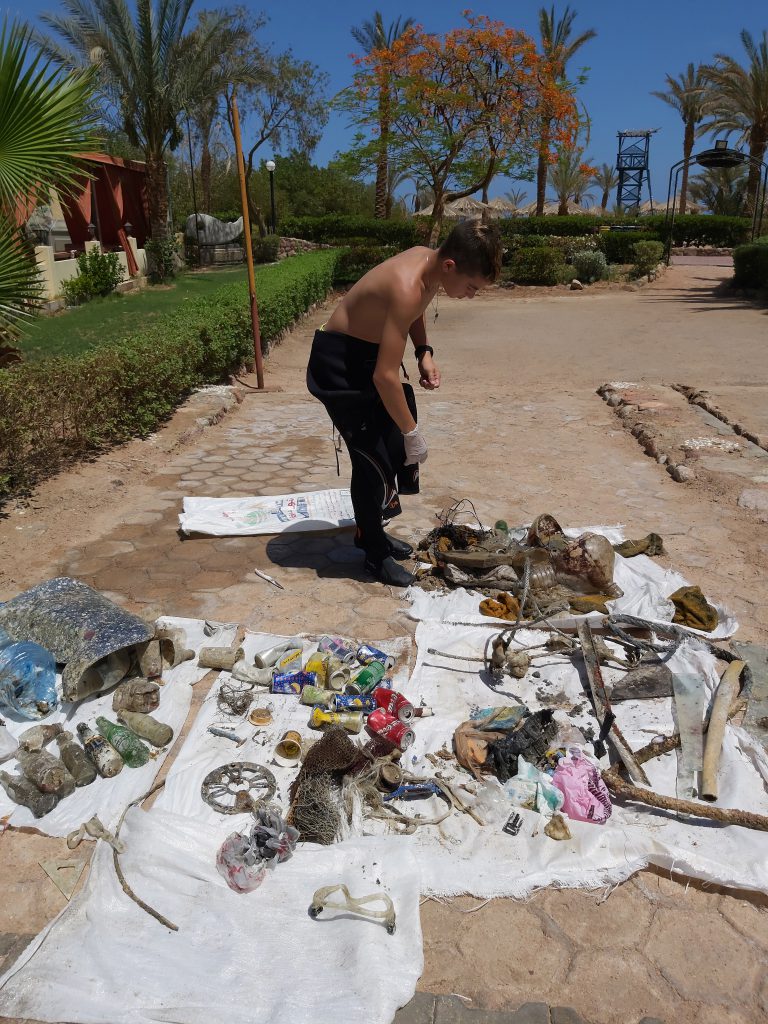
x,y
121,877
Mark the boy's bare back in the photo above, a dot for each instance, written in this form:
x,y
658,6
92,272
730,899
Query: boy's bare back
x,y
391,295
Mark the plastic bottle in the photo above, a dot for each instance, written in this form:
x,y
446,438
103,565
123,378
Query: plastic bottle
x,y
104,756
74,757
8,744
26,794
27,678
47,772
147,727
126,743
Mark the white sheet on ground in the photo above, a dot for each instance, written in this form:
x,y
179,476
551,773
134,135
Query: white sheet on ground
x,y
245,959
645,583
107,798
267,514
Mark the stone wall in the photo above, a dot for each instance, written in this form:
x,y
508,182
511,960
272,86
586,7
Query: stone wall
x,y
293,246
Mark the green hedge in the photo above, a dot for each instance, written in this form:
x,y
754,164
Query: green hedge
x,y
338,228
690,229
618,246
750,265
537,265
358,260
65,408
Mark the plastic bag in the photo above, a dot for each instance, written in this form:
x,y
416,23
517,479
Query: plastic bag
x,y
533,789
236,864
586,796
491,802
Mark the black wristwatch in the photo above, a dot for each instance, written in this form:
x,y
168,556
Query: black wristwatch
x,y
420,350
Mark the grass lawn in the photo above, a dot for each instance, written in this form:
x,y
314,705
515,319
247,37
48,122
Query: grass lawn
x,y
118,316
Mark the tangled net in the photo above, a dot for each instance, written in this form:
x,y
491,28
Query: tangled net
x,y
315,810
234,698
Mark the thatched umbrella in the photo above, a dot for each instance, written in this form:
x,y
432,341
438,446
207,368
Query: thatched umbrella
x,y
502,206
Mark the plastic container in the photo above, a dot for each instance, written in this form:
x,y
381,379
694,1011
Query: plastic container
x,y
27,678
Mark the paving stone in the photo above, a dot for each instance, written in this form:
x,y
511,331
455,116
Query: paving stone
x,y
564,1015
602,985
528,1013
420,1010
623,918
345,555
751,921
709,976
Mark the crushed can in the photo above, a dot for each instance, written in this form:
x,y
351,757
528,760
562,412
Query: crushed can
x,y
352,721
289,662
318,663
366,654
338,675
364,702
391,729
313,696
368,678
394,703
293,682
335,645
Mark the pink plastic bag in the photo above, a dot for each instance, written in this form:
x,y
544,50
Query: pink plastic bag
x,y
586,795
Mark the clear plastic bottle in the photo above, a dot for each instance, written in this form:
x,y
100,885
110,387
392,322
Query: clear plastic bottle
x,y
74,757
27,678
47,772
126,743
26,794
104,756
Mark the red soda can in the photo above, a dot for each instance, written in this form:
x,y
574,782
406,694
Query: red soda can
x,y
394,703
386,726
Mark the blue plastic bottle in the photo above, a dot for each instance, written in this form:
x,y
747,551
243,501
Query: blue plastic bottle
x,y
27,678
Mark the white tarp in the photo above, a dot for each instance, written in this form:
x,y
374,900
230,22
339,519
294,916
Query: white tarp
x,y
106,798
267,514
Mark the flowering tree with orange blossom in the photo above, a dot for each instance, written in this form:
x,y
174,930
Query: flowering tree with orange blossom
x,y
462,107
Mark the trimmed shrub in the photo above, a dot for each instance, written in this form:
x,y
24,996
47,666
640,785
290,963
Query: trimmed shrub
x,y
537,265
618,246
162,259
702,229
355,262
62,409
750,265
337,228
589,265
265,249
100,273
647,256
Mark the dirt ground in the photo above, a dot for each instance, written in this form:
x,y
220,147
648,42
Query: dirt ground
x,y
518,427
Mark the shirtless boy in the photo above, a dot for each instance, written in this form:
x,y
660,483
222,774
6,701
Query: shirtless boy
x,y
354,369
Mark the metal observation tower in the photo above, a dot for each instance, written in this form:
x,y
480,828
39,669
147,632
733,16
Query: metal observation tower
x,y
632,165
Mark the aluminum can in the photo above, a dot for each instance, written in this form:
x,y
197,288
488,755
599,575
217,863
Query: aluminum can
x,y
315,697
366,654
394,703
335,646
364,702
391,729
290,661
338,674
352,721
318,663
293,682
368,678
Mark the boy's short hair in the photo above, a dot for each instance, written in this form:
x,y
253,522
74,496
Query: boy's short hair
x,y
475,248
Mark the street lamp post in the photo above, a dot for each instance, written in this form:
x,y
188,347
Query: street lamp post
x,y
271,168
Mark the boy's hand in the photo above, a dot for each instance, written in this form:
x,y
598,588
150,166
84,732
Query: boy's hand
x,y
429,375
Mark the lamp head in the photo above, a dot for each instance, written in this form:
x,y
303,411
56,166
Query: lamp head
x,y
270,165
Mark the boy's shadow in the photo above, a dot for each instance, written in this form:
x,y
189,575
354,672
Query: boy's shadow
x,y
330,553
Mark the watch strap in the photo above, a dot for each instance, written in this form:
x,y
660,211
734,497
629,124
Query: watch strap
x,y
420,350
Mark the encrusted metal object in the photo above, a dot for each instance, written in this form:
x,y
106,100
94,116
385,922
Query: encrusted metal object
x,y
80,627
221,786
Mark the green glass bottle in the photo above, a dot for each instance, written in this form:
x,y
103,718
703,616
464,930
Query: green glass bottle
x,y
126,743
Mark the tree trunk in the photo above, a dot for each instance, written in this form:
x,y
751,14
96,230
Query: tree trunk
x,y
205,176
757,147
688,140
604,200
542,166
157,197
437,220
562,210
382,160
485,194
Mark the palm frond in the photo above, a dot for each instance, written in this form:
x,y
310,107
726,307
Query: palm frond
x,y
19,279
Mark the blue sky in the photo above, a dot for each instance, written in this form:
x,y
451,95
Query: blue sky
x,y
636,46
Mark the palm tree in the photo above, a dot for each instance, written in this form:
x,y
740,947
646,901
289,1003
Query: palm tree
x,y
737,101
148,72
373,36
558,48
32,162
516,196
721,190
569,179
686,95
605,177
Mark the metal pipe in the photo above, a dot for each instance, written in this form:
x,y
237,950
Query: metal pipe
x,y
248,247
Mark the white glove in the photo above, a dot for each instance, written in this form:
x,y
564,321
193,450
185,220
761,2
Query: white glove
x,y
415,447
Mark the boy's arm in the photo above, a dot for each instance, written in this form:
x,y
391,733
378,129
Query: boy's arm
x,y
429,375
386,376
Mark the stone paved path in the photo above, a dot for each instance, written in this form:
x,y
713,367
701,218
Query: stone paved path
x,y
518,427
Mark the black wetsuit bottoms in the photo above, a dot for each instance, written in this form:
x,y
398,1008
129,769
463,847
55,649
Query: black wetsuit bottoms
x,y
340,375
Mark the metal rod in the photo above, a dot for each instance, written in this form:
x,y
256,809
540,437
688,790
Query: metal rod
x,y
248,248
272,200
